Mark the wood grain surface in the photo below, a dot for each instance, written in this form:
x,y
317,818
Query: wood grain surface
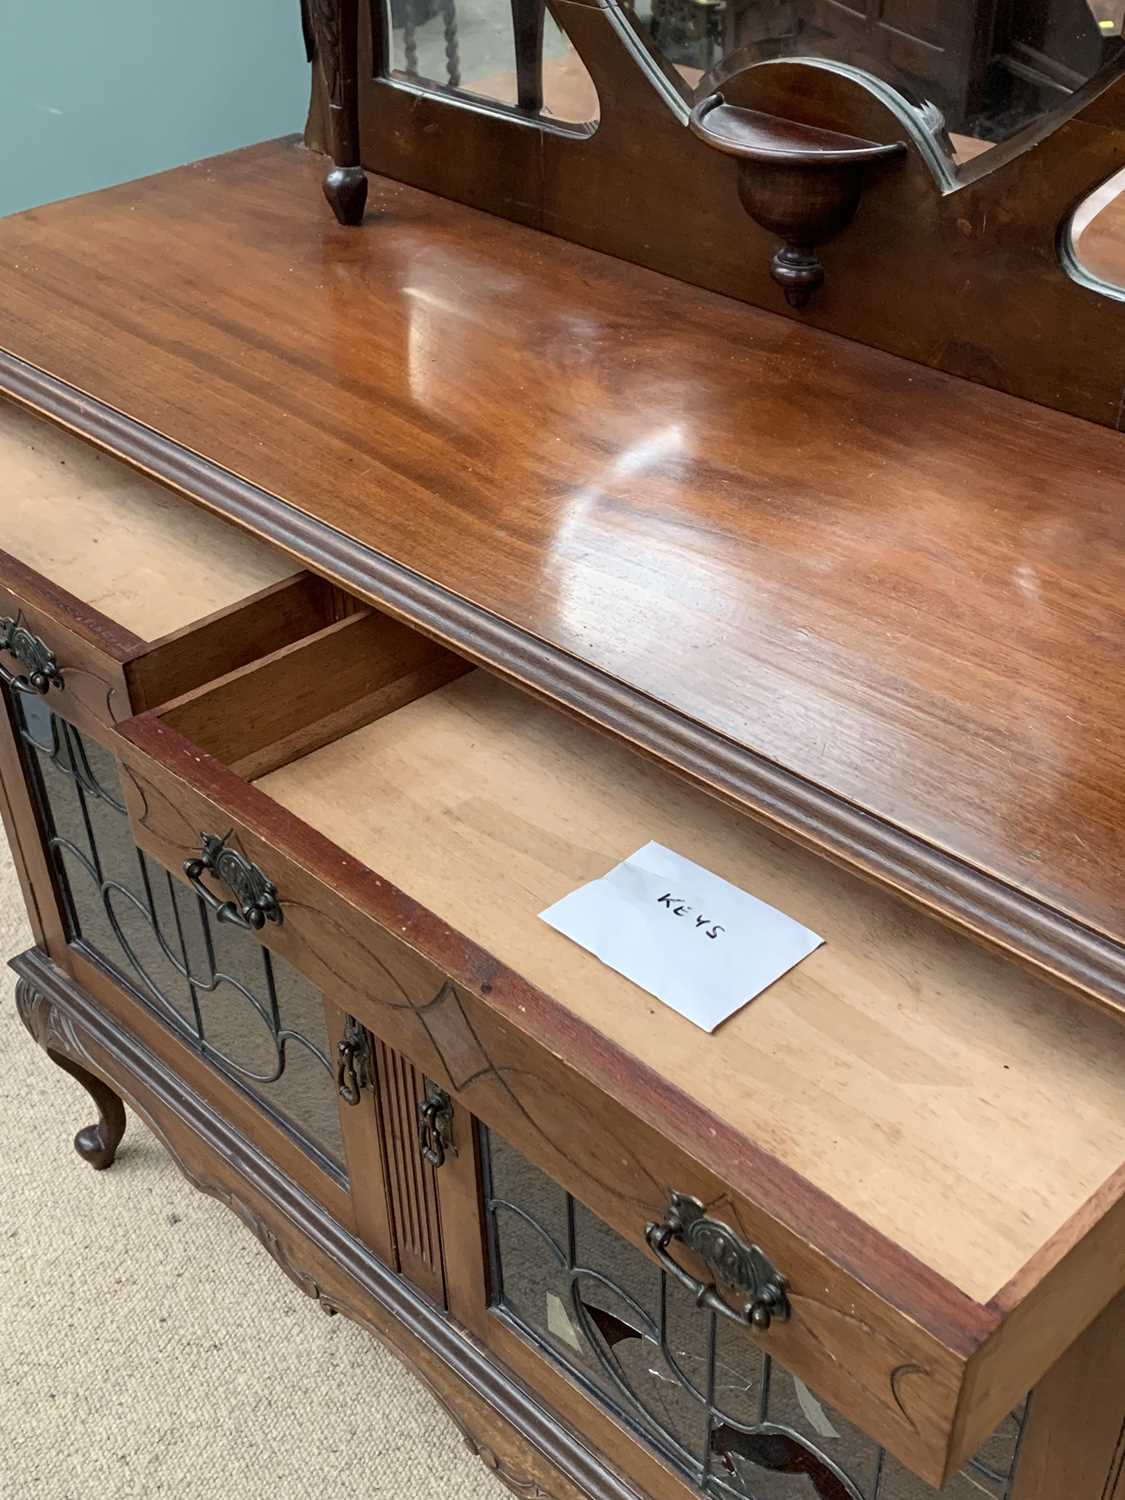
x,y
901,588
115,540
926,1086
1075,1442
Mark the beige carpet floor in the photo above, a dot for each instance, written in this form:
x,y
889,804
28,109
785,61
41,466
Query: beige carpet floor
x,y
150,1347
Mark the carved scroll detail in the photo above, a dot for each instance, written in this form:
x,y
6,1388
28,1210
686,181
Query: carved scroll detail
x,y
492,1460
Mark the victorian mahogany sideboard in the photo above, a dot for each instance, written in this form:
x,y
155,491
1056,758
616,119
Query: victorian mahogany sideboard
x,y
366,589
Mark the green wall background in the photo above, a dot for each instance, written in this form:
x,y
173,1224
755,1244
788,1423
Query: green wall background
x,y
94,92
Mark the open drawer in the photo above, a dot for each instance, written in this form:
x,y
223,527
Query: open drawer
x,y
115,595
921,1139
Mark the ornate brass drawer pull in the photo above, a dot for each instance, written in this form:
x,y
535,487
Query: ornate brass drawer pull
x,y
744,1268
32,652
255,895
435,1125
799,181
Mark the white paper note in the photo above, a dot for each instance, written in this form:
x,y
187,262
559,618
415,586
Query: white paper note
x,y
682,933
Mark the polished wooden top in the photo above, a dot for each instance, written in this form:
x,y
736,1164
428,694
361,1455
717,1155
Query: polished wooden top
x,y
887,583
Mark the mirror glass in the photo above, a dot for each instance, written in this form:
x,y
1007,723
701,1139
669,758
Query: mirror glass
x,y
991,66
470,46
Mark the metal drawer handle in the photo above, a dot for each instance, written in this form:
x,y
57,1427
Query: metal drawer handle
x,y
744,1268
255,895
435,1125
32,652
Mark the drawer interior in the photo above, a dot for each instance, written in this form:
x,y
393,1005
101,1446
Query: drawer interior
x,y
940,1093
118,541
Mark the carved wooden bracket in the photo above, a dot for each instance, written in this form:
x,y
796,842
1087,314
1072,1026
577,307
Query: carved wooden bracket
x,y
331,30
798,181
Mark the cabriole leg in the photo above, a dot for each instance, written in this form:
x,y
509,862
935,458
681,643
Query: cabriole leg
x,y
97,1143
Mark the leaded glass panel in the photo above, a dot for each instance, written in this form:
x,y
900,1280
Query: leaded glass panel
x,y
699,1389
244,1009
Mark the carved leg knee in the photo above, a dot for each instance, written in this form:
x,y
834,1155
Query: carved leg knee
x,y
95,1143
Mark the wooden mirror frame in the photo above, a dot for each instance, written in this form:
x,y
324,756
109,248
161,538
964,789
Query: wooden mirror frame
x,y
969,270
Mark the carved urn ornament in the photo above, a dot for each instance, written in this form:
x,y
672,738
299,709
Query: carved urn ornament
x,y
798,181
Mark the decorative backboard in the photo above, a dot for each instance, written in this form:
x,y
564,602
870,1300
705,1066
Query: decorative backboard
x,y
938,180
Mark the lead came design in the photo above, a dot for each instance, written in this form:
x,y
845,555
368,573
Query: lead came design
x,y
693,1384
242,1008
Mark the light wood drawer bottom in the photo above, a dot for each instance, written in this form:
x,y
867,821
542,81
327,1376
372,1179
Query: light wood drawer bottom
x,y
121,595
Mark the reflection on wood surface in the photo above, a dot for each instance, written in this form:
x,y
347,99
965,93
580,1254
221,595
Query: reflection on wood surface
x,y
1099,231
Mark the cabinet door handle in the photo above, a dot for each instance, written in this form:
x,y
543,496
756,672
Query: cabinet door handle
x,y
255,895
435,1125
32,652
354,1071
744,1268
